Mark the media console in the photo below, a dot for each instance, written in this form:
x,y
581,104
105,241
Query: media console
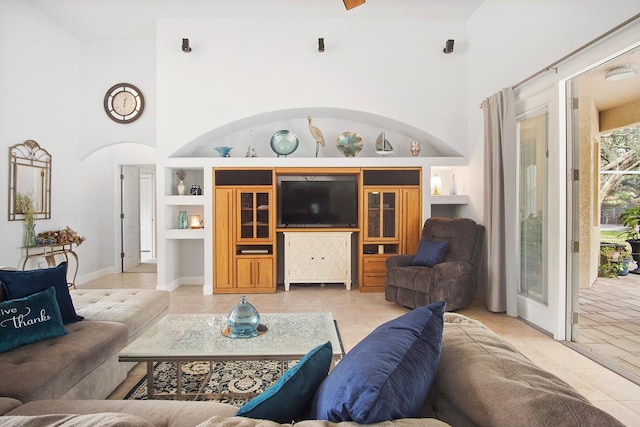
x,y
317,257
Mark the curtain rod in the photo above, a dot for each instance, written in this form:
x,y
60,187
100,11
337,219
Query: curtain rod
x,y
554,65
581,48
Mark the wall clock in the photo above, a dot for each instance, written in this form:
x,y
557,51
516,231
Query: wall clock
x,y
123,103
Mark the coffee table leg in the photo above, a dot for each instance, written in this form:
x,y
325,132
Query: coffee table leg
x,y
150,379
178,380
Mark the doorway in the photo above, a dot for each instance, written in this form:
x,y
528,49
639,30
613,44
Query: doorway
x,y
137,219
605,312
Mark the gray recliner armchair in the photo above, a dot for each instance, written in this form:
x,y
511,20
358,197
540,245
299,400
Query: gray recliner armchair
x,y
453,279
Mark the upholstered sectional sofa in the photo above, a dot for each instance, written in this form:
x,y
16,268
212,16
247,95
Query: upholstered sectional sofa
x,y
83,364
481,380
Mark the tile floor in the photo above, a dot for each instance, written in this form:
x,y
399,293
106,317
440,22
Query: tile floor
x,y
609,322
358,313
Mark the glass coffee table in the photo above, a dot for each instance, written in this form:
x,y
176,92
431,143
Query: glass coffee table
x,y
198,337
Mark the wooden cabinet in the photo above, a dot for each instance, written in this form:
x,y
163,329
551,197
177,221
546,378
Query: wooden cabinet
x,y
223,240
254,273
317,257
244,256
381,219
392,220
254,214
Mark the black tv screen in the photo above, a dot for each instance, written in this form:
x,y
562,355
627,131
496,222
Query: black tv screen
x,y
318,201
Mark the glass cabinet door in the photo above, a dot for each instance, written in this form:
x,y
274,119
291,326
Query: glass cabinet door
x,y
381,215
255,218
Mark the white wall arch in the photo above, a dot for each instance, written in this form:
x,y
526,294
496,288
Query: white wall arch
x,y
331,121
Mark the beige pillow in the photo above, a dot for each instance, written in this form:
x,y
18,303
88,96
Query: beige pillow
x,y
105,419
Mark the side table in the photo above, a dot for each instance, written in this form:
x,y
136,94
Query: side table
x,y
48,252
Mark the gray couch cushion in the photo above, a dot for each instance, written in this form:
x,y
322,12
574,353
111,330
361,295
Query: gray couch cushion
x,y
136,308
7,404
60,420
157,412
47,369
483,381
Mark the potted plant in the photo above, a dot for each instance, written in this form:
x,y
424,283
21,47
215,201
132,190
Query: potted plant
x,y
609,254
624,261
630,218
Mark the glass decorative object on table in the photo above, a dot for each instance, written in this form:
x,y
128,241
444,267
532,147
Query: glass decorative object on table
x,y
243,320
182,220
454,188
30,235
415,148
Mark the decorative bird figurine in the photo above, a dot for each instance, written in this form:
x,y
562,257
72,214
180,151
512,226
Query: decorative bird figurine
x,y
317,135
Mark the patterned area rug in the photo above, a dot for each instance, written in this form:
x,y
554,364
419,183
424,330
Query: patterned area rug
x,y
233,382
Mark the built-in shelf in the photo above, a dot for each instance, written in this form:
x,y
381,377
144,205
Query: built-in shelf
x,y
189,233
447,199
184,200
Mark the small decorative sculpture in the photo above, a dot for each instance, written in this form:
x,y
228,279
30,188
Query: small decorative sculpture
x,y
383,147
317,135
251,152
415,148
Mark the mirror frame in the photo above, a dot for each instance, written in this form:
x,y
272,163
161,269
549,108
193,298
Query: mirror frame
x,y
30,154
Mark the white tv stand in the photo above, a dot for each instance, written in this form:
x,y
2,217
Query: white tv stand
x,y
317,257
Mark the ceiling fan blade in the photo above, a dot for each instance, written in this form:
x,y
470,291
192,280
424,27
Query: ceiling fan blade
x,y
350,4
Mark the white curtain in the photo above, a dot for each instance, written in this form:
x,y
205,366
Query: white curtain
x,y
500,201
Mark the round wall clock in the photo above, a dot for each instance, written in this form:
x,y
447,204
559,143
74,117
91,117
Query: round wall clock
x,y
123,103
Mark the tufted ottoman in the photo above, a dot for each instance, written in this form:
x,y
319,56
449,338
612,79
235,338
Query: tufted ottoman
x,y
135,308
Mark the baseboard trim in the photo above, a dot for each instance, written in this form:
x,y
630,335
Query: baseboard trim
x,y
94,275
187,281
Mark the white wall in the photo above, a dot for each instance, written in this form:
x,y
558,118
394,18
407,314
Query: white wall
x,y
241,67
39,101
52,88
103,64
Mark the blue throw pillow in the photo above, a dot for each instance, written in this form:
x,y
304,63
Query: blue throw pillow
x,y
18,284
387,375
430,253
30,319
287,399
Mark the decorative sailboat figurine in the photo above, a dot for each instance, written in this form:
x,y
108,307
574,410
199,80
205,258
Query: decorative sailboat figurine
x,y
383,147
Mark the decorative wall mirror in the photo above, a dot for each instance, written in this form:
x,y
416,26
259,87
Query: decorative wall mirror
x,y
29,176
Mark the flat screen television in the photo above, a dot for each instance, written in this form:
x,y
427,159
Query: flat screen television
x,y
317,201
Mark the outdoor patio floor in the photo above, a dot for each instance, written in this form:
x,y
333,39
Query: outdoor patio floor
x,y
609,322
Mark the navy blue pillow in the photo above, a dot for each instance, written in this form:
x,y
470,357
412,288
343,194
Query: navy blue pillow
x,y
387,375
18,284
430,253
288,398
30,319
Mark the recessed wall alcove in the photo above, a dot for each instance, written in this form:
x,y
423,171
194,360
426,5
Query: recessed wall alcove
x,y
331,121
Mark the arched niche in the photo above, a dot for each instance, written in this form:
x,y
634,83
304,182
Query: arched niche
x,y
331,121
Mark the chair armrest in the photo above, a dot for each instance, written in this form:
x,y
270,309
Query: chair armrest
x,y
452,270
399,261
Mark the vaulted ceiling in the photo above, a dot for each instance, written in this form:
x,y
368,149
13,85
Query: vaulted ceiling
x,y
136,19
